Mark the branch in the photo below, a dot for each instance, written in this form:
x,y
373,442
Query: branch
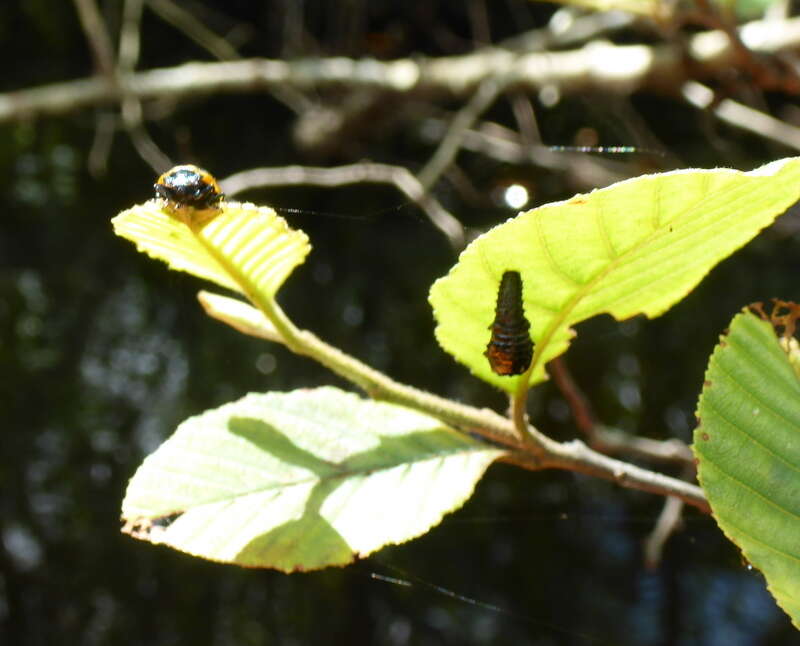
x,y
536,451
505,145
669,521
611,441
619,69
485,95
365,172
186,22
97,34
742,116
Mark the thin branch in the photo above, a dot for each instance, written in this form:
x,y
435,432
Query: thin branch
x,y
616,442
130,36
578,403
144,144
131,106
576,456
669,521
187,23
612,68
464,119
96,33
610,441
105,125
742,116
365,172
502,144
525,116
767,74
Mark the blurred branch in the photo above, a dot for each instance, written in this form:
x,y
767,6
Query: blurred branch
x,y
365,172
130,105
742,116
463,121
505,145
600,65
768,75
610,441
669,521
96,33
130,36
185,22
616,442
525,116
581,409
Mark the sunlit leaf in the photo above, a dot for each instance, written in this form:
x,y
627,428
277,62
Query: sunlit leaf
x,y
748,449
302,480
239,315
243,247
636,247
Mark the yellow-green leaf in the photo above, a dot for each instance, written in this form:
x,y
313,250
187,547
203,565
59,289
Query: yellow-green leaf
x,y
243,247
748,450
239,315
301,480
636,247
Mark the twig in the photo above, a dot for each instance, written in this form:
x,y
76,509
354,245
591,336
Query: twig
x,y
578,403
463,121
130,37
742,116
105,126
96,33
615,442
140,138
669,520
194,29
768,77
611,68
502,144
131,106
610,441
525,117
366,172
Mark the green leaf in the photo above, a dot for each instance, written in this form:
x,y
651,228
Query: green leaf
x,y
302,480
239,315
636,247
748,450
243,247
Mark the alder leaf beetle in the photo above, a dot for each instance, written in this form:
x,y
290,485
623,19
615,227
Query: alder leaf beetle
x,y
188,186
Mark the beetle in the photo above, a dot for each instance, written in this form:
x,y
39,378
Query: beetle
x,y
188,186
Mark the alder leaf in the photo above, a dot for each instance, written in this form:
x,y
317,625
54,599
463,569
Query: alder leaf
x,y
239,315
243,247
748,449
636,247
301,480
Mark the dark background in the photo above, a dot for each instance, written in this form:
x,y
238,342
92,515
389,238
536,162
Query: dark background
x,y
103,352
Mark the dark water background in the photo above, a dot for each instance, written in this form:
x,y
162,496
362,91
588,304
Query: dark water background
x,y
103,352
